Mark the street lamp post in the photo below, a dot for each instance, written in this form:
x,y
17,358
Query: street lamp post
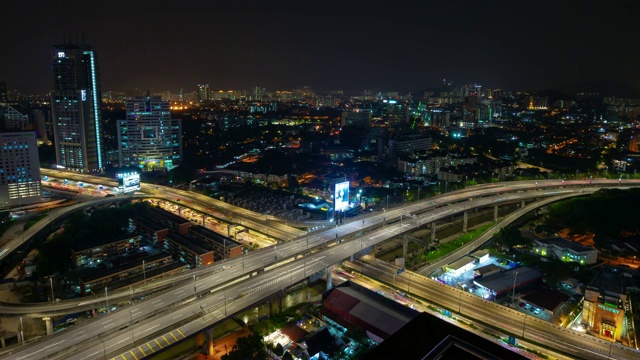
x,y
106,297
513,296
21,331
53,298
133,340
144,271
194,286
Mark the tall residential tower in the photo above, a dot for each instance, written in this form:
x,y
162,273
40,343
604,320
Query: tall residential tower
x,y
75,104
149,138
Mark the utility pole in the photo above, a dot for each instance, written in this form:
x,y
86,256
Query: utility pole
x,y
513,296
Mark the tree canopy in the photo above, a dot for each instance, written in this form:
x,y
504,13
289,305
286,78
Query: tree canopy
x,y
250,347
607,212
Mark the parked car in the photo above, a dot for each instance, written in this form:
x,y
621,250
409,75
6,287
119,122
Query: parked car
x,y
537,311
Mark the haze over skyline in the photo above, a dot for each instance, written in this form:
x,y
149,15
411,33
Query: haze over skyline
x,y
403,46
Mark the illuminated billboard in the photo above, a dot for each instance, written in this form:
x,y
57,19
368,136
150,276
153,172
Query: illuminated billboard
x,y
129,182
341,196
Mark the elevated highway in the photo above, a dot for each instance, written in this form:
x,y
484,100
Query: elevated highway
x,y
360,234
423,212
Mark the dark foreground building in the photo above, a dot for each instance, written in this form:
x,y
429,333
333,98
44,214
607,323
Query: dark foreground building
x,y
404,333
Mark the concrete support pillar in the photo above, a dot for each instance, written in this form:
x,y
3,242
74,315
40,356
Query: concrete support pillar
x,y
351,259
495,212
522,205
465,218
209,341
433,231
329,285
405,243
2,342
280,301
270,310
48,324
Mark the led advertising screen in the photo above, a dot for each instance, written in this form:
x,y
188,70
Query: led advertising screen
x,y
341,196
129,182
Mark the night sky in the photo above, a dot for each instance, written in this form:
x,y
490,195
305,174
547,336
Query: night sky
x,y
350,45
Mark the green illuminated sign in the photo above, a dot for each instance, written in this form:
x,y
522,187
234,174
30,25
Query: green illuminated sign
x,y
603,307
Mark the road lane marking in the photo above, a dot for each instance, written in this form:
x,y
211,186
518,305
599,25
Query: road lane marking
x,y
142,351
165,339
174,337
150,348
181,333
156,340
134,355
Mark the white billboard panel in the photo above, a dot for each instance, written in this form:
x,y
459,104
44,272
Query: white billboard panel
x,y
129,182
341,196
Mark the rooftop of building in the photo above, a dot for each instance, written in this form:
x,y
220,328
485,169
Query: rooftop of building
x,y
463,261
567,244
168,215
488,269
148,223
480,253
545,298
437,339
504,280
188,243
214,236
608,280
93,242
381,314
91,274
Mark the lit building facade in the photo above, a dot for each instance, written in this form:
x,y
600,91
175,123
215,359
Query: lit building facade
x,y
204,93
566,250
75,104
605,304
149,138
19,169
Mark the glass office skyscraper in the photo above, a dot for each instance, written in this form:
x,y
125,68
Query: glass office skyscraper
x,y
75,103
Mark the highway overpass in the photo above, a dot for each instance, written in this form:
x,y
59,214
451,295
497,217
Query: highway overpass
x,y
310,263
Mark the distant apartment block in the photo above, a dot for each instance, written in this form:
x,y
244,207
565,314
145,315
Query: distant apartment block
x,y
19,169
422,164
93,254
408,142
566,250
356,118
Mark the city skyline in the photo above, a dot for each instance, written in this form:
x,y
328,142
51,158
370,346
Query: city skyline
x,y
373,45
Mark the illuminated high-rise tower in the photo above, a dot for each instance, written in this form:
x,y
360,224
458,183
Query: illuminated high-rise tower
x,y
75,104
149,138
